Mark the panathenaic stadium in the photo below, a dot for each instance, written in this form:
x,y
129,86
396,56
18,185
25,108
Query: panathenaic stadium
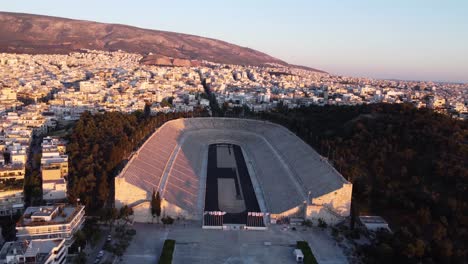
x,y
231,172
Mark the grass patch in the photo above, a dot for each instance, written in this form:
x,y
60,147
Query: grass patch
x,y
308,255
167,251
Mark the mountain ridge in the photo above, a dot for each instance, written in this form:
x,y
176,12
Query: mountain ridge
x,y
39,34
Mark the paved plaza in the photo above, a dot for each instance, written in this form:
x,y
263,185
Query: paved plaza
x,y
196,245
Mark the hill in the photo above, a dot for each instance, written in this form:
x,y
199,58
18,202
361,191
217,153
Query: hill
x,y
36,34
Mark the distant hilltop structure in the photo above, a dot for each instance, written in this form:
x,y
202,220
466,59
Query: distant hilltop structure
x,y
159,60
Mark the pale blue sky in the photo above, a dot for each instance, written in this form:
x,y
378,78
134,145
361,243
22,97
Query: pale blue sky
x,y
402,39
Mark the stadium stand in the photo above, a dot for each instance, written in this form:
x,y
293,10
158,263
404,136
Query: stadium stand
x,y
292,178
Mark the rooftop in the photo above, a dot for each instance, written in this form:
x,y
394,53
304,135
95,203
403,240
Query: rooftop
x,y
48,215
13,166
13,248
372,220
40,249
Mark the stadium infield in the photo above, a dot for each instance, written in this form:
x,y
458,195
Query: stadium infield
x,y
233,180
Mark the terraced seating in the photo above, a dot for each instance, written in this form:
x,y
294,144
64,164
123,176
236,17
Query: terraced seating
x,y
280,192
183,184
268,171
147,166
285,167
313,172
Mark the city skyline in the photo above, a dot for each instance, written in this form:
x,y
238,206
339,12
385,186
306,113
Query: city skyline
x,y
358,39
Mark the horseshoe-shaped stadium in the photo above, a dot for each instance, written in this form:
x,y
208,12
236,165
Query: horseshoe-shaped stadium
x,y
229,171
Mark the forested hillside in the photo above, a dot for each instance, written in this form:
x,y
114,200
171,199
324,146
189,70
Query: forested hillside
x,y
99,145
408,165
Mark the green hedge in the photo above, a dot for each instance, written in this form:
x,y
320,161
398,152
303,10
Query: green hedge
x,y
168,250
308,256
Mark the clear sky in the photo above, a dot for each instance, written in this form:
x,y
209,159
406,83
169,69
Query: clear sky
x,y
401,39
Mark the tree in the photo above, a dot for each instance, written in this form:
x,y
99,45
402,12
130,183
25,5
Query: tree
x,y
33,187
80,238
147,110
404,163
98,148
125,212
80,258
103,192
108,215
167,220
353,215
322,224
166,102
8,227
156,204
114,215
170,100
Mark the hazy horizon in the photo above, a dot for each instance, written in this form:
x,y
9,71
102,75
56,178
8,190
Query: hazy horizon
x,y
418,40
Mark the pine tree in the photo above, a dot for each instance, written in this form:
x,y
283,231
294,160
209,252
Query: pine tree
x,y
153,203
147,110
103,191
156,204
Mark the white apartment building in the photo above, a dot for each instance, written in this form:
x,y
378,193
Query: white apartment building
x,y
54,165
40,251
54,190
12,171
47,222
11,202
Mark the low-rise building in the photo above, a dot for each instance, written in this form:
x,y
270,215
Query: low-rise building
x,y
45,222
54,162
12,171
374,223
54,190
11,202
40,251
51,162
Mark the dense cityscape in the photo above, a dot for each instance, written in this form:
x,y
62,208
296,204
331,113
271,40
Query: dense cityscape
x,y
43,93
115,81
247,132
